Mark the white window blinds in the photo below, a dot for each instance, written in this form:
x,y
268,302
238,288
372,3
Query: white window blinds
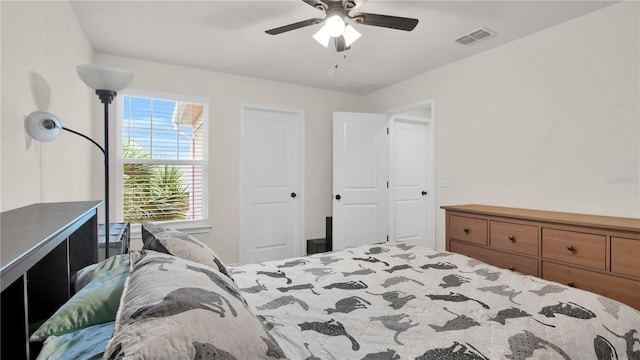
x,y
162,162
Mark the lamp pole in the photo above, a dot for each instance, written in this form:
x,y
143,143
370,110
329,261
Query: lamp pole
x,y
106,96
106,81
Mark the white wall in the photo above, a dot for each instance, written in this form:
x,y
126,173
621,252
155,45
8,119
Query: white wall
x,y
227,93
42,43
550,121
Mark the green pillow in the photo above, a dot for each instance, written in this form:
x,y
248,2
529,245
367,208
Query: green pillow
x,y
96,303
87,344
86,274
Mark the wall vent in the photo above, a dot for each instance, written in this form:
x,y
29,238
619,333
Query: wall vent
x,y
475,36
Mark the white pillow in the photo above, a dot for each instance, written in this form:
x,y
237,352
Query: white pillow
x,y
174,242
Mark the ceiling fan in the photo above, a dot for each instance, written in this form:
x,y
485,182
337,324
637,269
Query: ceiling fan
x,y
336,12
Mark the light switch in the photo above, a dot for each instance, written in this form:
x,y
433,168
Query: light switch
x,y
443,181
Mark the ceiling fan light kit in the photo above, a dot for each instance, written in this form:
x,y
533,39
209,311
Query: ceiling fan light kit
x,y
335,26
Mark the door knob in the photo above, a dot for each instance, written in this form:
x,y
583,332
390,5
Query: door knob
x,y
424,193
293,195
338,197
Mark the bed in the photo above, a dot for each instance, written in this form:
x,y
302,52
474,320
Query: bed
x,y
176,300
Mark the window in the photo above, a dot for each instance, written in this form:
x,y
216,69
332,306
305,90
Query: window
x,y
162,157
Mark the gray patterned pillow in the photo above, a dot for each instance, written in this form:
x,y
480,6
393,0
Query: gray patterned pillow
x,y
174,242
178,309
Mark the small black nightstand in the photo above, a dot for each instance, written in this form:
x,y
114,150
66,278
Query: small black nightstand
x,y
315,246
119,238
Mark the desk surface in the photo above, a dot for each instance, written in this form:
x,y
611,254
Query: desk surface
x,y
25,229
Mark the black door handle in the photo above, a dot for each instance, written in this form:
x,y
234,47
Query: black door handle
x,y
338,197
293,195
424,193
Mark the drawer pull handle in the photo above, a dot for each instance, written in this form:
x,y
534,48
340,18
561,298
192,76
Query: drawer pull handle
x,y
570,247
466,230
512,238
511,268
570,284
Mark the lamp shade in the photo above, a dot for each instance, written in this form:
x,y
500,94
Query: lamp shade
x,y
99,77
42,126
323,36
350,35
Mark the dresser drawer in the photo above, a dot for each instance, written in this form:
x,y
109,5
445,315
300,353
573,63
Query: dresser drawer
x,y
468,229
625,256
514,237
521,264
574,247
623,290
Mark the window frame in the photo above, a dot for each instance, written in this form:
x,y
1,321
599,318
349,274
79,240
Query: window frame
x,y
190,226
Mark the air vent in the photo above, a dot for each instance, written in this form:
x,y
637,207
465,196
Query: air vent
x,y
475,36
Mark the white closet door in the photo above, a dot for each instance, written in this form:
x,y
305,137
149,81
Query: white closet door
x,y
410,185
360,174
271,223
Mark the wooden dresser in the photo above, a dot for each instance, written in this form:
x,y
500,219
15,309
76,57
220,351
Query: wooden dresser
x,y
600,254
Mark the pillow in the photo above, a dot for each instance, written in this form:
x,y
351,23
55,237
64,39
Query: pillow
x,y
174,308
96,303
174,242
87,344
85,275
147,230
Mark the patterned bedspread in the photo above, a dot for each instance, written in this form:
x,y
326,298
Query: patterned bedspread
x,y
398,301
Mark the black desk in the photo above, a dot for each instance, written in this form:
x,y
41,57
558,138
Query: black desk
x,y
41,247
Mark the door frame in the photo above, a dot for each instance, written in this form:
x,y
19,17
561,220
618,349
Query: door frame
x,y
300,226
431,170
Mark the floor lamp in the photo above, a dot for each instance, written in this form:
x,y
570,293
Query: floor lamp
x,y
45,126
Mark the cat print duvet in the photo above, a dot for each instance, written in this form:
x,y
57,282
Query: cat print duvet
x,y
398,301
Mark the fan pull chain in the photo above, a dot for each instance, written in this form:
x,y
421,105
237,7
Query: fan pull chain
x,y
336,64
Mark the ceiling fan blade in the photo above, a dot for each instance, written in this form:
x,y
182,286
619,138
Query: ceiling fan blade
x,y
392,22
341,44
294,26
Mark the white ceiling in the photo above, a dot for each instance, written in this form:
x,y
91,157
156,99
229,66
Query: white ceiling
x,y
229,37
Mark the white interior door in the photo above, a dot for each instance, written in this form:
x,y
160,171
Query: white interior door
x,y
271,196
411,189
360,174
